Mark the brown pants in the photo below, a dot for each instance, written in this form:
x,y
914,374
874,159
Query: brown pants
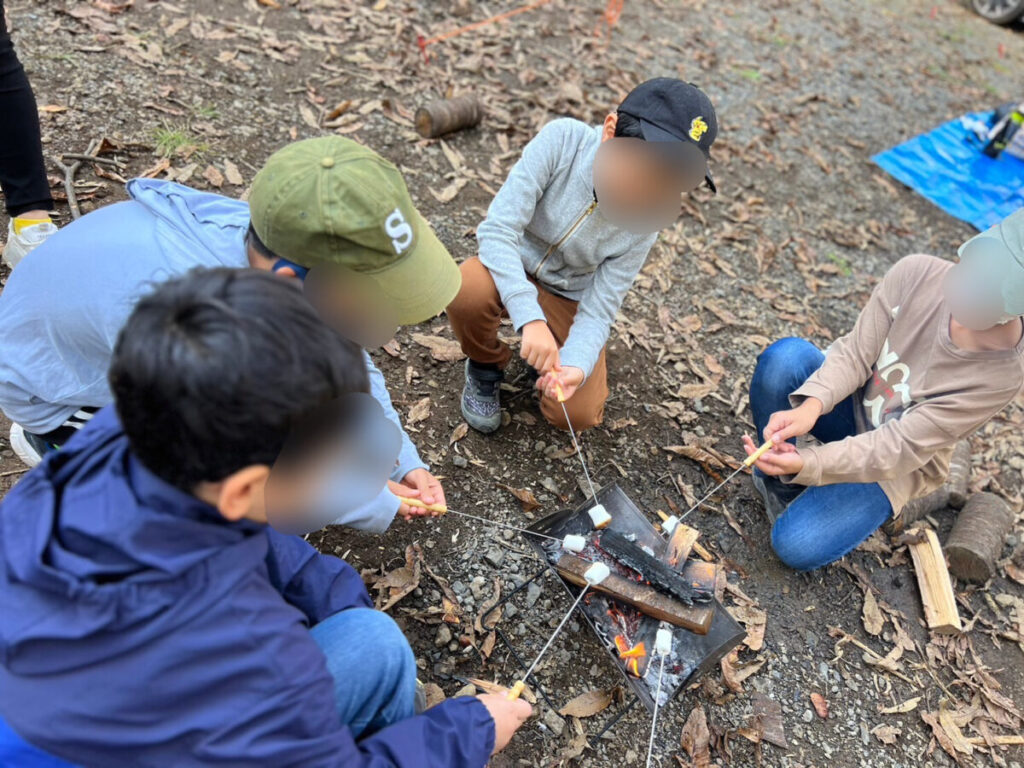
x,y
476,314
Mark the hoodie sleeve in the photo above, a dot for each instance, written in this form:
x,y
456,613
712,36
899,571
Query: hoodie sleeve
x,y
510,212
598,306
318,585
408,457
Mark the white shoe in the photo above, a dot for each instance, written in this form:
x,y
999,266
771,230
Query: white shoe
x,y
22,448
24,237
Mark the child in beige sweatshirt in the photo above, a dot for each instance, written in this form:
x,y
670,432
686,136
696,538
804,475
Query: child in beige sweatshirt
x,y
936,353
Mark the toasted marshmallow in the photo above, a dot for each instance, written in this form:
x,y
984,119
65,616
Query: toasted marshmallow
x,y
599,516
596,573
670,524
573,543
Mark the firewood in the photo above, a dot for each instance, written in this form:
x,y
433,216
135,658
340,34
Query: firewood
x,y
643,597
976,541
952,493
937,597
650,568
448,115
959,478
680,544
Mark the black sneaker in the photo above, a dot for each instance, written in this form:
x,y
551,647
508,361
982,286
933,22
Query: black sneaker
x,y
481,406
773,504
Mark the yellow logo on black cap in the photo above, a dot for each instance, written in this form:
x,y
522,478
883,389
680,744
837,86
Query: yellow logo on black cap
x,y
698,128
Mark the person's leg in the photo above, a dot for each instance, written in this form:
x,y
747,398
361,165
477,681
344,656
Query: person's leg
x,y
18,753
475,315
22,172
373,667
825,522
586,406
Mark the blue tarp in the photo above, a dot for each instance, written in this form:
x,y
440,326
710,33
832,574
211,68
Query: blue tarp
x,y
946,166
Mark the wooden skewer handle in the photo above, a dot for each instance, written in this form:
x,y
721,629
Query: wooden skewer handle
x,y
559,392
516,690
749,461
442,508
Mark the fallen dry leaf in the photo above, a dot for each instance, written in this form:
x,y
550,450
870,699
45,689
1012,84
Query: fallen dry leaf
x,y
214,176
458,433
401,581
588,704
887,734
696,739
820,705
767,720
441,349
232,174
754,620
419,412
525,496
434,694
871,615
907,706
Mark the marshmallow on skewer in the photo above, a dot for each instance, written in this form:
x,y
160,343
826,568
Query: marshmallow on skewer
x,y
596,573
663,642
574,543
599,516
670,524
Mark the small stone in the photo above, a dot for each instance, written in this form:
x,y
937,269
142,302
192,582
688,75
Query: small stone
x,y
631,756
478,586
510,610
453,646
807,716
495,556
532,594
460,461
444,636
458,588
539,446
554,723
467,690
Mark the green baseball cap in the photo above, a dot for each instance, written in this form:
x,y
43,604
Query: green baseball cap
x,y
331,202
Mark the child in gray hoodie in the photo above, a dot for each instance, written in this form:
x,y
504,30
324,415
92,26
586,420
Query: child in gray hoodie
x,y
563,240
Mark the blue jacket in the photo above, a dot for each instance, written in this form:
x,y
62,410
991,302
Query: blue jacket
x,y
140,628
62,309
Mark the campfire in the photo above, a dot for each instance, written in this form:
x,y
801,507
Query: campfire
x,y
643,591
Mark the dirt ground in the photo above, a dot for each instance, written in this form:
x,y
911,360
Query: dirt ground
x,y
802,228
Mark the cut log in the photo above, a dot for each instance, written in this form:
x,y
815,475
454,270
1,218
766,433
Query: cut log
x,y
680,545
650,568
952,493
643,597
448,115
937,597
976,541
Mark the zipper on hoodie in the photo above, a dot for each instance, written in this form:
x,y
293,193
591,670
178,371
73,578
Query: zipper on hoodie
x,y
576,225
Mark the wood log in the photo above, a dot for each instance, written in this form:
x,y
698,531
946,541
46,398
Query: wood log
x,y
643,597
952,493
650,568
680,545
937,597
976,541
448,115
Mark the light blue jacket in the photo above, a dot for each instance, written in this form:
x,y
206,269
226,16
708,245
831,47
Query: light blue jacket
x,y
64,305
544,223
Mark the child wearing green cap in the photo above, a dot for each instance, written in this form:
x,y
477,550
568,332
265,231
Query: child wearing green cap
x,y
935,354
326,210
563,240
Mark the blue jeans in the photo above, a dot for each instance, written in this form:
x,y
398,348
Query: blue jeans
x,y
820,523
373,689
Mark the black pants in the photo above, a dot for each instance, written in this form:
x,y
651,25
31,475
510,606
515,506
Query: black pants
x,y
22,173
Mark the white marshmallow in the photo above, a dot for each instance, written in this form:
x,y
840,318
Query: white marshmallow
x,y
599,516
663,642
596,573
670,524
573,543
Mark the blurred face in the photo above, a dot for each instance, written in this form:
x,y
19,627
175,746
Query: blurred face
x,y
352,304
986,288
640,184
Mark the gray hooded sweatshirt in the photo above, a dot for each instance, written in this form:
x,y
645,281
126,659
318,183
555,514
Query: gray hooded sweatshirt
x,y
545,224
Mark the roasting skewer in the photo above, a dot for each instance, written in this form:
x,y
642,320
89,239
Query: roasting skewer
x,y
747,464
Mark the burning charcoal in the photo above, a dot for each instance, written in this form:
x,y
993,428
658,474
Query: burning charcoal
x,y
599,516
653,571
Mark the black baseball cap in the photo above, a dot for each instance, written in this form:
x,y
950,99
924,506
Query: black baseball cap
x,y
670,110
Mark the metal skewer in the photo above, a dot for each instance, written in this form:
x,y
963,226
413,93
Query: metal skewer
x,y
575,442
443,510
654,718
747,464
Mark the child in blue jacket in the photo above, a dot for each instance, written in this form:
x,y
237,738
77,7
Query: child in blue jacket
x,y
151,615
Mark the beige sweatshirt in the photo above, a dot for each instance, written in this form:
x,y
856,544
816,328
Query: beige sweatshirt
x,y
915,393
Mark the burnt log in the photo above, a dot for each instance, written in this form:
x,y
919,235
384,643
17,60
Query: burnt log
x,y
659,574
448,115
976,541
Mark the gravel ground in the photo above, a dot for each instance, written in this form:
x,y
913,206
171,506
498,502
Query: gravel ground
x,y
802,228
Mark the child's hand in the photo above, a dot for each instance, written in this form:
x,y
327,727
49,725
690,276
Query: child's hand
x,y
539,347
570,378
418,484
507,716
783,459
782,425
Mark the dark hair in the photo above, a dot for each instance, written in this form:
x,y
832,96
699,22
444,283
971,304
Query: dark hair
x,y
253,241
628,126
212,370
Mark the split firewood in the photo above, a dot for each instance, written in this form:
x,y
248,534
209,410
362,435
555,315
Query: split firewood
x,y
643,597
448,115
937,597
976,541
